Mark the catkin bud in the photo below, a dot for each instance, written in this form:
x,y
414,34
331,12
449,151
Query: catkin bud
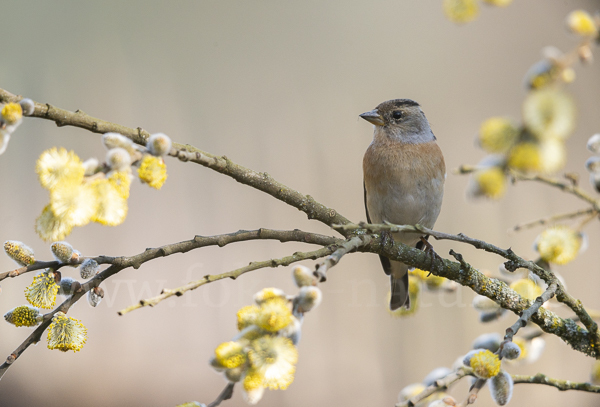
x,y
593,143
292,331
593,164
95,295
489,316
159,144
501,388
467,358
68,286
267,294
62,251
582,23
89,268
235,375
410,391
484,304
12,114
510,350
485,364
303,276
489,341
4,139
91,166
595,180
435,375
118,159
19,252
114,140
308,298
28,106
447,401
24,315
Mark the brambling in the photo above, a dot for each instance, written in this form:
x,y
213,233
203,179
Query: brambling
x,y
404,173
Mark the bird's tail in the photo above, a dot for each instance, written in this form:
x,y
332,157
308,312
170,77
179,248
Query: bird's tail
x,y
399,280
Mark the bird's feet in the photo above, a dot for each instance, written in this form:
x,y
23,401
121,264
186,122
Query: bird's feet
x,y
428,249
386,238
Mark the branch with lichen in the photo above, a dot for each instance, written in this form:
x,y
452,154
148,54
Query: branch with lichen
x,y
514,262
562,385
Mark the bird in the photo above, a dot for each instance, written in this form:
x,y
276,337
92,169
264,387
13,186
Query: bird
x,y
404,173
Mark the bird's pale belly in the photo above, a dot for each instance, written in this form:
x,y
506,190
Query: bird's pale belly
x,y
420,206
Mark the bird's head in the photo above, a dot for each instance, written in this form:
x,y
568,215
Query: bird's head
x,y
401,119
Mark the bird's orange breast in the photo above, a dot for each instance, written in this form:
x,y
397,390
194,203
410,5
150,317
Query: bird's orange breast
x,y
404,182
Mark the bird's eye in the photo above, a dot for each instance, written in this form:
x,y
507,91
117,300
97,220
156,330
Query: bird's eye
x,y
397,114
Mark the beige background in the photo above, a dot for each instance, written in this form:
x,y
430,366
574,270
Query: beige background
x,y
276,86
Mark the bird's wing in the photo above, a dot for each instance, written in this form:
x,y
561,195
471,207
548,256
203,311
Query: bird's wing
x,y
385,262
366,207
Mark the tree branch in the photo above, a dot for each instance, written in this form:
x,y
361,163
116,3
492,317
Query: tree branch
x,y
38,265
119,263
349,245
463,273
258,180
526,315
255,265
514,262
561,385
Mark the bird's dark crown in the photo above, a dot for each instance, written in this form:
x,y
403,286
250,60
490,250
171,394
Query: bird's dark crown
x,y
398,103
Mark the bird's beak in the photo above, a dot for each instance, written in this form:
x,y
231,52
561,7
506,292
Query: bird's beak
x,y
373,117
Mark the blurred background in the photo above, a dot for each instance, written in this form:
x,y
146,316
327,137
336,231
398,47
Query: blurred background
x,y
277,87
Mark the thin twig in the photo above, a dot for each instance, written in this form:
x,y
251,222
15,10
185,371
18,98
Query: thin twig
x,y
333,259
561,385
438,385
225,395
473,392
553,219
563,186
255,265
586,220
38,265
528,313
